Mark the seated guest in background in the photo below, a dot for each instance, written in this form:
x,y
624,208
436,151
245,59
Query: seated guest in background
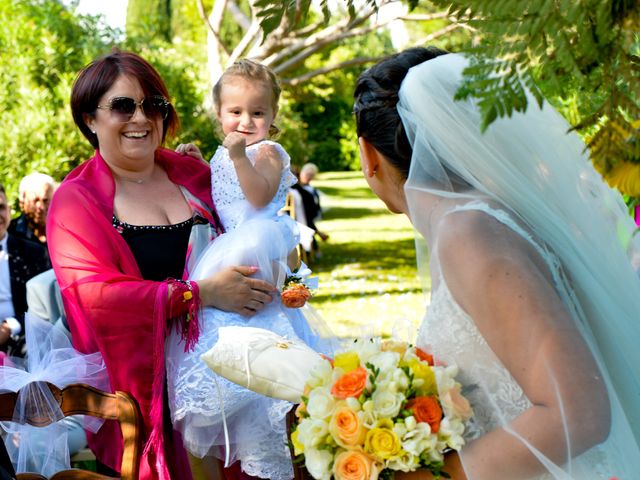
x,y
20,259
307,173
45,301
310,199
34,194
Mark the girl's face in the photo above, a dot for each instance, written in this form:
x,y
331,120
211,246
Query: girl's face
x,y
246,107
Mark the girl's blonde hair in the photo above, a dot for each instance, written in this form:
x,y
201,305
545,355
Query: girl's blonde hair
x,y
251,70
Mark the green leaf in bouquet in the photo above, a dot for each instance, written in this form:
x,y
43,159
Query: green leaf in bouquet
x,y
387,474
405,413
436,470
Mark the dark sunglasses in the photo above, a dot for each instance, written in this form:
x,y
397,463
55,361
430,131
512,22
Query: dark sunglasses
x,y
123,108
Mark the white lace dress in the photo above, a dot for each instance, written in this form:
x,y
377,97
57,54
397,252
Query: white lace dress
x,y
451,334
256,424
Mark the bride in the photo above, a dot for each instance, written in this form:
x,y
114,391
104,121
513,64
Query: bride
x,y
534,295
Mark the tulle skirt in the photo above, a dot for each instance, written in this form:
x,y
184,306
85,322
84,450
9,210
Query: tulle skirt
x,y
198,397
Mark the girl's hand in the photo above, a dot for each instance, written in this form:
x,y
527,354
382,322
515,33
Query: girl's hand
x,y
189,149
236,144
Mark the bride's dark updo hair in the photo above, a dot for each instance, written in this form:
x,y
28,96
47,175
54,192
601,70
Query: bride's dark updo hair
x,y
376,97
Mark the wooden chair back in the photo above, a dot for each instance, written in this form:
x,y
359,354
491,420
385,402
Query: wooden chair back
x,y
289,205
82,399
290,209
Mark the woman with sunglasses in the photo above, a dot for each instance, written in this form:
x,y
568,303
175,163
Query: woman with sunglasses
x,y
124,229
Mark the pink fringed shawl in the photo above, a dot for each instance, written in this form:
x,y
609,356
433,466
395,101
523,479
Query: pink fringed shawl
x,y
109,307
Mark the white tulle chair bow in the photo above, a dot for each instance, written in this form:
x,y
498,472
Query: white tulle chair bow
x,y
50,358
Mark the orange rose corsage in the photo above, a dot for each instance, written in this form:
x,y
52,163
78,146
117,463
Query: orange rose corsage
x,y
294,292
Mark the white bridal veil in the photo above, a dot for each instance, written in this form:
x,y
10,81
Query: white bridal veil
x,y
532,169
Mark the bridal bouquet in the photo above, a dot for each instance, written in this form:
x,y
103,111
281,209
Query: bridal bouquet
x,y
381,406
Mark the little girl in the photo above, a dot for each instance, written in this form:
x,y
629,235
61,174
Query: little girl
x,y
250,178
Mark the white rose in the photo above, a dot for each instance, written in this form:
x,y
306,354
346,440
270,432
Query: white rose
x,y
369,419
393,378
451,433
385,361
387,403
400,429
366,349
353,404
401,378
320,374
368,406
408,462
311,432
318,463
410,422
320,403
419,439
445,377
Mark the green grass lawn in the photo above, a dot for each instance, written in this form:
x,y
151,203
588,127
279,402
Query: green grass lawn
x,y
367,271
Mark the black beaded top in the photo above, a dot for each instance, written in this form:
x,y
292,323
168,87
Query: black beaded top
x,y
160,250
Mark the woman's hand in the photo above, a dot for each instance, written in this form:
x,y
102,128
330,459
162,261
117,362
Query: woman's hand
x,y
233,290
189,149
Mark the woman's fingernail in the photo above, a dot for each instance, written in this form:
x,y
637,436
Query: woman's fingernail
x,y
253,268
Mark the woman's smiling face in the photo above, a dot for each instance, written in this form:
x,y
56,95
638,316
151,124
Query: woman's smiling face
x,y
127,141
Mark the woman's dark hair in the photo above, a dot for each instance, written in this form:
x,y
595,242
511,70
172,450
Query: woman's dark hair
x,y
376,97
99,76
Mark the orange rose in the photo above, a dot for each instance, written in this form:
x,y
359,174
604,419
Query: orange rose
x,y
424,356
346,428
350,384
295,295
427,410
354,465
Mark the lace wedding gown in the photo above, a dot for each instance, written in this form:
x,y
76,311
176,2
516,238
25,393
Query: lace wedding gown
x,y
197,396
452,336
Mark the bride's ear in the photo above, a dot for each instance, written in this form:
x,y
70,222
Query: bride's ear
x,y
369,157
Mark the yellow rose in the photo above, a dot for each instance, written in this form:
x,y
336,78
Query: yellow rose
x,y
382,442
346,361
354,465
346,427
298,448
424,372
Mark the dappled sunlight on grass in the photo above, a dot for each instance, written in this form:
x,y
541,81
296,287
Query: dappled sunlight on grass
x,y
368,278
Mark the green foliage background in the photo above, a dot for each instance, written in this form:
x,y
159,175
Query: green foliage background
x,y
43,45
39,58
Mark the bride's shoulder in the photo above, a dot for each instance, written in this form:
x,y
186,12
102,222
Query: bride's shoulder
x,y
474,247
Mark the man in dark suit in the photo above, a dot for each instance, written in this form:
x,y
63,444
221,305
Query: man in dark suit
x,y
20,259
